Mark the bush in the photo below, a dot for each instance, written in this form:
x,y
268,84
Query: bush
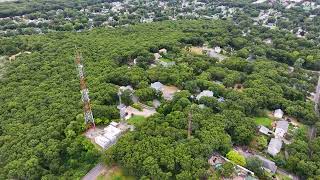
x,y
137,106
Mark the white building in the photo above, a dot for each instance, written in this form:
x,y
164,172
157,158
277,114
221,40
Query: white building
x,y
110,135
278,113
205,93
217,49
102,141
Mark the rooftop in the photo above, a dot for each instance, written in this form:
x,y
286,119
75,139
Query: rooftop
x,y
274,146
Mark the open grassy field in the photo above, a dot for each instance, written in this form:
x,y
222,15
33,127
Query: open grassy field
x,y
264,121
136,120
115,173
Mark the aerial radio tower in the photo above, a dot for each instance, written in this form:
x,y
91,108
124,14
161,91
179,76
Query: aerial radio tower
x,y
88,117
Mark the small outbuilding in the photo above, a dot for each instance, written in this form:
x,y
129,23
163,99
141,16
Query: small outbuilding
x,y
278,113
265,130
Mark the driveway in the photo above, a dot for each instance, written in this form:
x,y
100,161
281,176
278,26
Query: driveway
x,y
94,172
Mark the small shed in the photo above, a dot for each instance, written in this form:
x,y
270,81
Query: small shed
x,y
278,113
163,51
265,130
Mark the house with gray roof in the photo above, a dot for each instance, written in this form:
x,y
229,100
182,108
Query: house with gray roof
x,y
274,146
281,128
265,130
268,165
158,86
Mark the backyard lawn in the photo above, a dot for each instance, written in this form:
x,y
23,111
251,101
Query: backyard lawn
x,y
264,121
136,120
115,173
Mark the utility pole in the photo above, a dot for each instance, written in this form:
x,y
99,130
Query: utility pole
x,y
88,116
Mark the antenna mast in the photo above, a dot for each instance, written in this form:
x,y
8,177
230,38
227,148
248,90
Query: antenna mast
x,y
88,116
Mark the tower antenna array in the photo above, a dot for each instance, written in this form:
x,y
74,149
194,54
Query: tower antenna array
x,y
88,116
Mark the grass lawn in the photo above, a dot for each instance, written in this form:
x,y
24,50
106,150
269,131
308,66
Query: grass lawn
x,y
264,121
136,120
115,174
165,60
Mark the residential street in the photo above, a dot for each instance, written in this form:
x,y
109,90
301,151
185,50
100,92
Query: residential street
x,y
312,129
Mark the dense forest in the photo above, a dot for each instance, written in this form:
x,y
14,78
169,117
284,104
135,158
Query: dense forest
x,y
40,95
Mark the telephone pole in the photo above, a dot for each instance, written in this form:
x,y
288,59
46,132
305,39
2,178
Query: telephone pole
x,y
88,116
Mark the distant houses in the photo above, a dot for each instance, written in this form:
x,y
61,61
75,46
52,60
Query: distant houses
x,y
281,129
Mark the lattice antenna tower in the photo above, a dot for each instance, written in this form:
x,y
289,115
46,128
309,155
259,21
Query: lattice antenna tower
x,y
88,116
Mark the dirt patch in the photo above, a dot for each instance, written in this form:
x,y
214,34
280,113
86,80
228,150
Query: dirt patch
x,y
195,50
169,91
238,87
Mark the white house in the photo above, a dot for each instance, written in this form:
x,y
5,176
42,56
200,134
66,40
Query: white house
x,y
278,113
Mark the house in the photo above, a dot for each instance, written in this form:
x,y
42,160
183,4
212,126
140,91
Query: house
x,y
205,93
157,56
158,86
278,113
265,130
124,88
216,161
274,146
281,128
268,165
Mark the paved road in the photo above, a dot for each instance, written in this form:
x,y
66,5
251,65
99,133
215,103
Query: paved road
x,y
312,129
94,172
283,172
